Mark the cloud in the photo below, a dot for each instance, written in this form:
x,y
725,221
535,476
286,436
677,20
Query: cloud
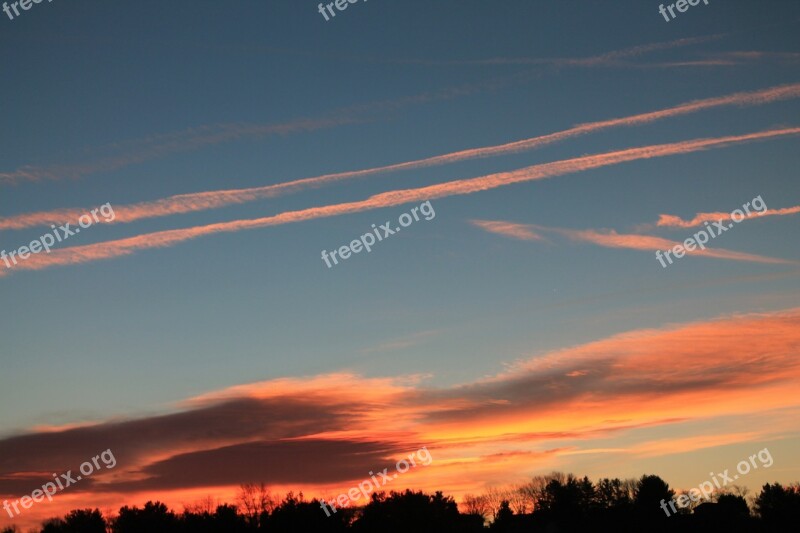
x,y
200,201
509,229
403,342
671,221
724,366
612,239
608,59
118,155
758,56
112,249
157,146
305,432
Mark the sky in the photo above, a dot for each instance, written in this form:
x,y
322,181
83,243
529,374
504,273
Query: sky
x,y
520,323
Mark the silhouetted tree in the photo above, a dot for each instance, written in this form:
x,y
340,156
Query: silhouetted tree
x,y
295,514
228,520
153,518
77,521
54,525
401,512
733,505
476,505
504,520
651,491
561,503
254,501
613,494
779,507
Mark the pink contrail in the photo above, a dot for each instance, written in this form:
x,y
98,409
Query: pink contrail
x,y
191,202
111,249
672,221
612,239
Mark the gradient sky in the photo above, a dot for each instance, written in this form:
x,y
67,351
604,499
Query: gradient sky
x,y
526,328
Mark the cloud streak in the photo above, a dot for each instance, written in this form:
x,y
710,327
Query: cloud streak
x,y
119,155
162,239
612,239
156,146
672,221
608,59
192,202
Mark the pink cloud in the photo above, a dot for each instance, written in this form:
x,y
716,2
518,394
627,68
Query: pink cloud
x,y
671,221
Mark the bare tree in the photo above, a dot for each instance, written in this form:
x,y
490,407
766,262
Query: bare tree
x,y
630,487
207,505
255,499
494,497
533,491
518,500
478,505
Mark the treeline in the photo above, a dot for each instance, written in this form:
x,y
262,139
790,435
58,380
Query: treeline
x,y
549,504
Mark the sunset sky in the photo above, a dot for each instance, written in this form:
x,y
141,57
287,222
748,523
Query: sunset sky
x,y
527,327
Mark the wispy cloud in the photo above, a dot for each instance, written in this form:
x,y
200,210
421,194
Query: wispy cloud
x,y
613,58
514,230
672,221
122,247
191,202
119,155
757,56
138,151
612,239
402,343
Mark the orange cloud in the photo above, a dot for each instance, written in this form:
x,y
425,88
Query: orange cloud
x,y
535,416
192,202
122,247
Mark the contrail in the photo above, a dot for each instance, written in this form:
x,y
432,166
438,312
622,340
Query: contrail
x,y
161,239
612,239
612,58
672,221
156,146
119,155
192,202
